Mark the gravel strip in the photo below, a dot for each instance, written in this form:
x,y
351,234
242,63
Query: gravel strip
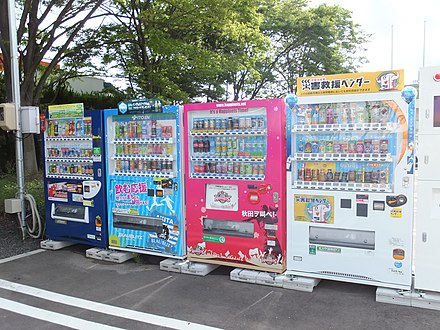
x,y
11,241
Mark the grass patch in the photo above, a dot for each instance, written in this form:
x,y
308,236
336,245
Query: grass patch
x,y
33,186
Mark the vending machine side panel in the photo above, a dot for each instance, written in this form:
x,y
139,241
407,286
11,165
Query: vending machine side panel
x,y
427,219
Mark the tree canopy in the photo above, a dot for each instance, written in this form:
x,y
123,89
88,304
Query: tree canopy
x,y
179,50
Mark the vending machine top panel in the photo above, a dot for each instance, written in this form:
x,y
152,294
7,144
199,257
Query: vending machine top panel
x,y
351,83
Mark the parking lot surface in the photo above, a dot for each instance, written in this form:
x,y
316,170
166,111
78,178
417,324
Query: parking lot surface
x,y
63,289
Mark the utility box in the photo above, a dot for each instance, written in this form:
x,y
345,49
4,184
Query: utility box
x,y
12,205
30,119
8,121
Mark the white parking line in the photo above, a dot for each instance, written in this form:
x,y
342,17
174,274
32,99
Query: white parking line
x,y
52,317
2,261
103,308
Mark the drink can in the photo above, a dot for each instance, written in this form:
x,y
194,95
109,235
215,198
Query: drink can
x,y
359,176
230,168
236,123
242,123
212,167
248,169
367,146
383,146
230,123
315,147
329,147
360,147
164,167
367,177
254,122
248,122
351,146
205,125
351,176
218,168
261,122
382,176
159,131
255,169
212,124
242,169
337,147
224,124
236,168
224,168
375,146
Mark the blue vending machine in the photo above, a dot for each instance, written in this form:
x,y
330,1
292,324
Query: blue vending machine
x,y
144,179
74,167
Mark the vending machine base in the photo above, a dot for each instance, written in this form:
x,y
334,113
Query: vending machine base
x,y
286,281
54,245
195,268
393,296
413,298
109,255
172,265
426,299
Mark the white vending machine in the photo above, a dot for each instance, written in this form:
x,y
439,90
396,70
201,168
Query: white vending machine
x,y
350,178
427,217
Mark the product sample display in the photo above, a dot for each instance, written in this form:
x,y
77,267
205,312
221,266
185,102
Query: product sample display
x,y
235,187
350,179
144,179
74,161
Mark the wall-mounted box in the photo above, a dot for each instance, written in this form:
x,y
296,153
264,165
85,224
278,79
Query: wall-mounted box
x,y
30,119
8,120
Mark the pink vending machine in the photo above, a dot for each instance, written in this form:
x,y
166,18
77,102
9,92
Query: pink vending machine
x,y
234,183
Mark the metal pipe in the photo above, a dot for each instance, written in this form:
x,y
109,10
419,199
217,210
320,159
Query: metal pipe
x,y
15,79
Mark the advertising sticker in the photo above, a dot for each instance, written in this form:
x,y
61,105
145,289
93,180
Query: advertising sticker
x,y
222,197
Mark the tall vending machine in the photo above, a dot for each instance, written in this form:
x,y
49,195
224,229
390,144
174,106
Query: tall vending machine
x,y
427,238
144,179
350,179
74,175
235,187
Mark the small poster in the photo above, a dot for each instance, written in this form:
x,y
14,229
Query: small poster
x,y
57,191
314,208
222,197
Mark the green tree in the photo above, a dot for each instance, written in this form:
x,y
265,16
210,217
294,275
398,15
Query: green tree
x,y
44,29
304,41
182,49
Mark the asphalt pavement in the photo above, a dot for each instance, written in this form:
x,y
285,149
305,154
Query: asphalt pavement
x,y
64,289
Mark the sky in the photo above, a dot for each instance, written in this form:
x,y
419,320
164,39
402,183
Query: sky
x,y
400,21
